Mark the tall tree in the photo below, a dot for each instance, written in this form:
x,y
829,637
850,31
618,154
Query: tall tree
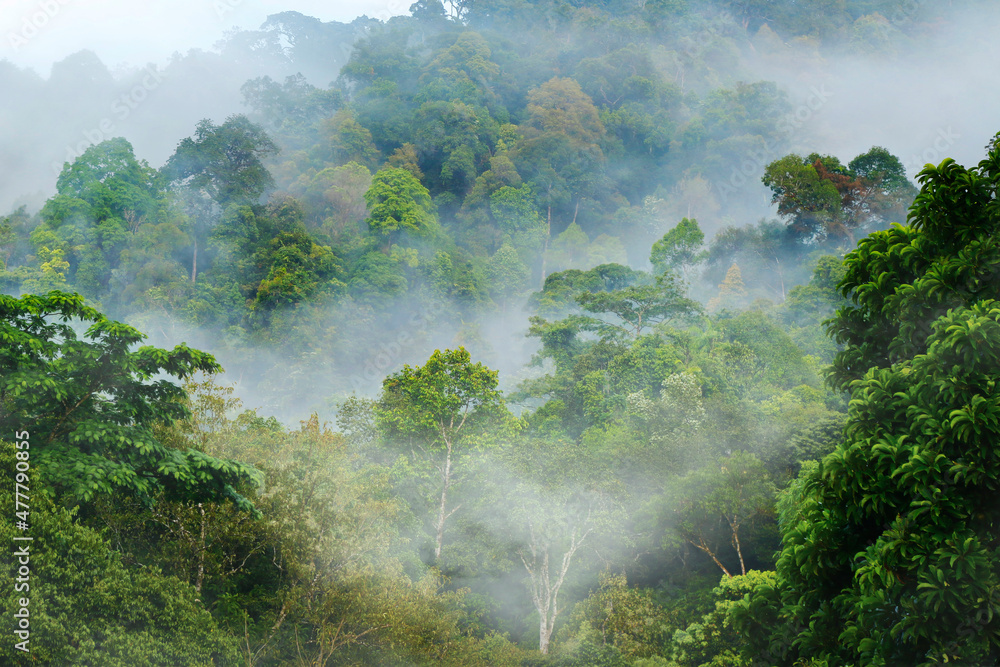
x,y
679,249
223,164
439,408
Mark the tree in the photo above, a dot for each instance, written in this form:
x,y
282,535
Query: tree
x,y
625,617
560,153
105,199
555,504
825,199
225,161
558,525
397,202
638,307
86,606
507,274
890,543
715,502
223,164
90,404
679,248
732,293
438,407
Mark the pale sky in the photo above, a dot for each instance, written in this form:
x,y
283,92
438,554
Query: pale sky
x,y
37,33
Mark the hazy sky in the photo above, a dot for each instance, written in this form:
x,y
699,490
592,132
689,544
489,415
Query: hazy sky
x,y
36,33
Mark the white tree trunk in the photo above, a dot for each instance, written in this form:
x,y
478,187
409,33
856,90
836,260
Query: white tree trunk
x,y
545,583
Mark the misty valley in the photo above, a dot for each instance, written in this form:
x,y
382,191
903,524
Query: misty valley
x,y
652,333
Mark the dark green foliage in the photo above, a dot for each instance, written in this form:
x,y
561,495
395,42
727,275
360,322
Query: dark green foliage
x,y
276,262
91,402
86,606
225,161
889,545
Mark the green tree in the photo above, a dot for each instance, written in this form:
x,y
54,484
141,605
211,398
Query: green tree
x,y
713,640
104,199
440,407
223,164
91,403
86,607
622,616
225,161
889,544
679,248
715,502
638,307
827,200
397,203
507,274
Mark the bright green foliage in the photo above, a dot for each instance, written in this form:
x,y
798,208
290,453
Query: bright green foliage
x,y
760,341
350,141
397,202
713,641
889,552
679,247
275,260
435,401
445,407
95,228
882,167
91,402
106,182
88,608
627,618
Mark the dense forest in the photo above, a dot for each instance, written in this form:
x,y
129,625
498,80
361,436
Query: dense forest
x,y
501,333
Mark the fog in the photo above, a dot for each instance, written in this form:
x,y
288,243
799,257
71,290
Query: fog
x,y
651,408
153,79
39,33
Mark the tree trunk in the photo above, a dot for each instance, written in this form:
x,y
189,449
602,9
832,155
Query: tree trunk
x,y
201,552
545,249
442,516
545,591
736,543
194,262
703,547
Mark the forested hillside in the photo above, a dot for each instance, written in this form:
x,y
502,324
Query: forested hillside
x,y
502,333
